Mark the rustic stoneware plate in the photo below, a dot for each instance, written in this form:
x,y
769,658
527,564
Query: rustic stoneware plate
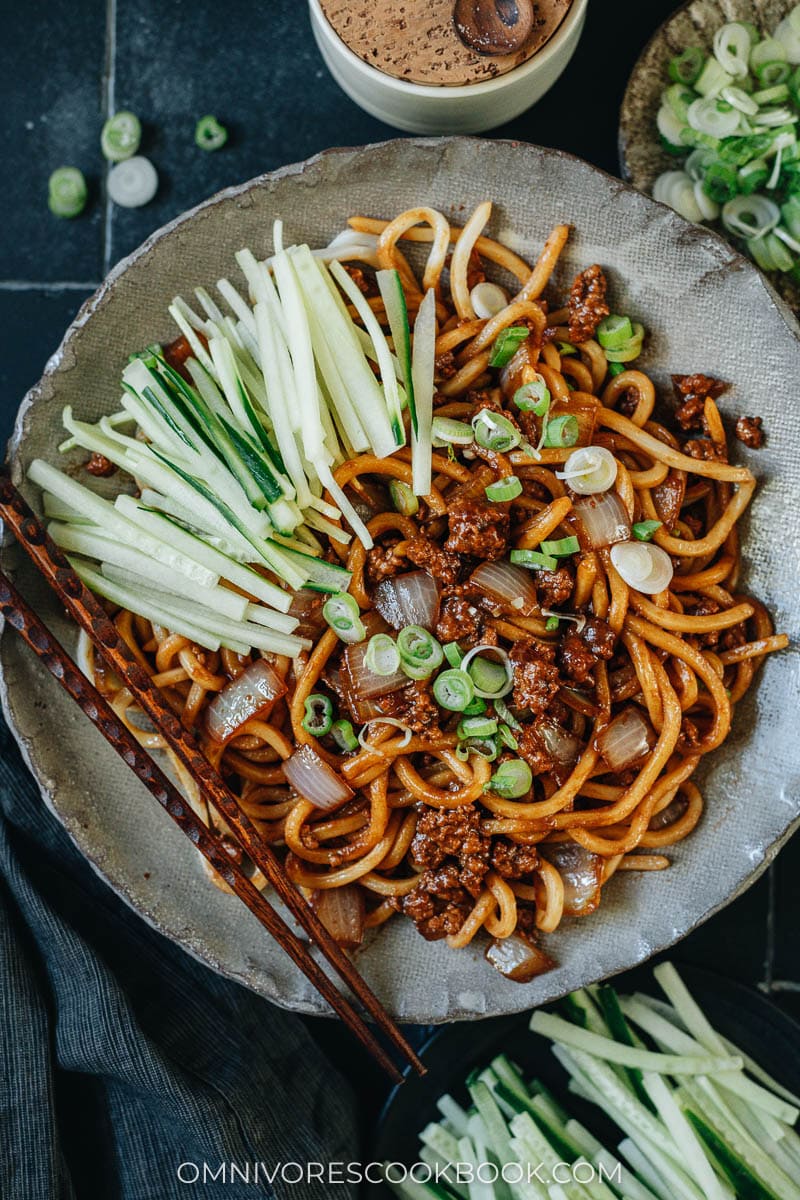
x,y
705,309
641,156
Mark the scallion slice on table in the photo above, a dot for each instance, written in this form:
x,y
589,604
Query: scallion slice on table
x,y
121,136
686,67
132,182
67,192
209,134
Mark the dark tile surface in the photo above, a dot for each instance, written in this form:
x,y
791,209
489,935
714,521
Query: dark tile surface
x,y
257,68
52,96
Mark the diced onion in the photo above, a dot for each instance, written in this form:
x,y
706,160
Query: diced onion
x,y
362,683
581,872
628,738
590,470
604,519
518,959
133,182
249,695
314,780
643,566
488,299
342,911
411,599
506,584
564,747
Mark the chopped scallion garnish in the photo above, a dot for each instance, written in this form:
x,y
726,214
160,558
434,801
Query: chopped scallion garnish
x,y
493,431
342,613
534,560
511,780
504,489
344,735
67,192
644,530
318,717
453,690
382,656
209,134
507,343
562,431
561,547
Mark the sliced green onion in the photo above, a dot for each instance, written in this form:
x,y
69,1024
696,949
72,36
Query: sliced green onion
x,y
475,707
505,713
511,780
493,431
712,79
533,397
132,182
420,653
507,488
452,653
565,349
534,560
403,498
768,50
469,727
445,430
490,678
507,343
507,738
382,656
318,717
616,368
209,134
613,332
344,735
67,192
644,530
633,348
121,136
686,66
551,624
773,94
485,747
562,431
561,547
453,690
344,617
753,176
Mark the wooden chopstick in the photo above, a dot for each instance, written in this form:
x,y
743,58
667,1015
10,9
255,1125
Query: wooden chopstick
x,y
51,653
89,613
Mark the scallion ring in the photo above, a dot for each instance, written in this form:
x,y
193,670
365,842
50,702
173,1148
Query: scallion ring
x,y
507,488
511,780
533,397
420,653
209,134
485,747
492,676
452,653
534,560
121,136
493,431
560,547
686,66
444,430
133,182
469,727
382,656
643,530
506,344
403,498
344,735
614,331
453,690
67,192
507,738
344,617
562,431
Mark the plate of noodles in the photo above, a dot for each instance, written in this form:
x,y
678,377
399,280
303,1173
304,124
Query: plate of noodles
x,y
423,479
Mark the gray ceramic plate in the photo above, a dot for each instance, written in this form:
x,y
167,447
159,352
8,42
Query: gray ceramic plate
x,y
706,309
640,153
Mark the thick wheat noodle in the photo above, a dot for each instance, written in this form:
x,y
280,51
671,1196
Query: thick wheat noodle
x,y
662,663
459,262
494,251
550,897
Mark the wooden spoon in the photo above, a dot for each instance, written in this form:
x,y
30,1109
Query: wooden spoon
x,y
494,26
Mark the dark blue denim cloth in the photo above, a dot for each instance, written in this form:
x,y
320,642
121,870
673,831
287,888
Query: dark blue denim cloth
x,y
122,1058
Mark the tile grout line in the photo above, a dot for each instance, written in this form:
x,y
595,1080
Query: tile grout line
x,y
40,285
109,104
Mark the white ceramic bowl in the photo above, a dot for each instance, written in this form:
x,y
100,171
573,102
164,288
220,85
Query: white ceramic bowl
x,y
470,108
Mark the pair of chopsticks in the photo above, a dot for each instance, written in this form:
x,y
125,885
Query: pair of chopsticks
x,y
89,613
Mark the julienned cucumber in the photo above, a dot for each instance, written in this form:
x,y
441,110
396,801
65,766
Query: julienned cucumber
x,y
394,301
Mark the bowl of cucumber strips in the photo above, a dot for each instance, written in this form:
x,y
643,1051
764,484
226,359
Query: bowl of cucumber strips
x,y
710,126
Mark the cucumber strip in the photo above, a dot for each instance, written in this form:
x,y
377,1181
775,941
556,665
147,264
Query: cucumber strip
x,y
276,367
113,419
614,1018
302,354
562,1031
362,386
385,364
510,1074
198,349
57,510
112,523
209,306
348,419
543,1118
394,301
761,1075
496,1129
681,1187
629,1186
320,575
751,1121
89,437
320,523
150,610
468,1154
606,1088
438,1138
674,1039
422,365
582,1138
409,1189
260,615
531,1188
443,1174
348,512
581,1009
746,1185
644,1168
322,506
687,1009
218,600
240,576
694,1159
167,492
237,304
453,1113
